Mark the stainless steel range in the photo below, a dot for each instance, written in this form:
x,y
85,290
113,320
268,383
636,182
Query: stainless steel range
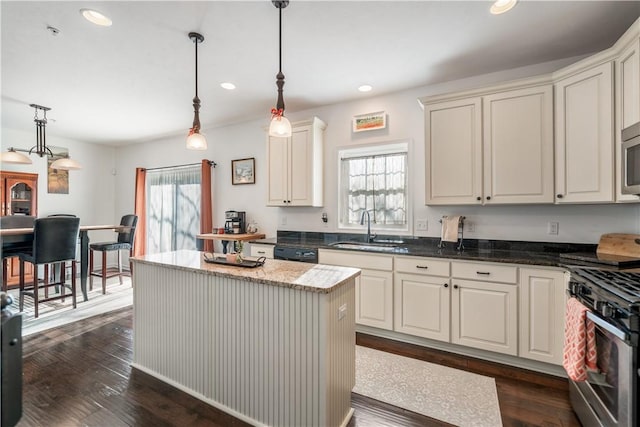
x,y
609,396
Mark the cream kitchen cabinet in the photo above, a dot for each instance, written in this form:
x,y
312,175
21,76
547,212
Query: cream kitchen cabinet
x,y
374,287
494,146
258,250
542,302
627,83
294,166
484,314
422,297
584,136
454,152
518,146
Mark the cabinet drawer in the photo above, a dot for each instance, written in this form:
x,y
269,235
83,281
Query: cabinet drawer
x,y
354,259
418,265
484,271
258,250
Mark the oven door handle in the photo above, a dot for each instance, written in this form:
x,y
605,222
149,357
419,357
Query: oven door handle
x,y
607,326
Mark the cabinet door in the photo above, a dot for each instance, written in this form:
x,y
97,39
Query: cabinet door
x,y
301,166
518,146
21,196
584,136
542,302
627,106
453,138
374,299
484,315
278,171
421,305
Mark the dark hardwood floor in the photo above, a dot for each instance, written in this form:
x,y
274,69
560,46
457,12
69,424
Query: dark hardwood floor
x,y
80,374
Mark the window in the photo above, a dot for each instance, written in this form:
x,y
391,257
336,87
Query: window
x,y
374,179
173,208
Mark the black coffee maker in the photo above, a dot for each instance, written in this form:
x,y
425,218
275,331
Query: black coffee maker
x,y
235,222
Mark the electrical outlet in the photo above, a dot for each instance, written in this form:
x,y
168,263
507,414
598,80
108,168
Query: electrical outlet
x,y
421,225
470,227
283,220
552,227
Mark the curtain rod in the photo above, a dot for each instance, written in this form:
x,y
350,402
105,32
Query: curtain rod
x,y
211,163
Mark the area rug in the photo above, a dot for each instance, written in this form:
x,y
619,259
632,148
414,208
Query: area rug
x,y
57,313
451,395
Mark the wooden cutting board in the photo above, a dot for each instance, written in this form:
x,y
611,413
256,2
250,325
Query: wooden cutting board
x,y
626,245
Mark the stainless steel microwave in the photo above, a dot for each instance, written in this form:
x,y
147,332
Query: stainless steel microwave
x,y
631,159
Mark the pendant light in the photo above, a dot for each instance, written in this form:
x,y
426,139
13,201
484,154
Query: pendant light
x,y
41,149
195,140
280,125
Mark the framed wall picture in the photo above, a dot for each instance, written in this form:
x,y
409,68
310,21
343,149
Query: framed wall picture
x,y
371,121
57,179
243,171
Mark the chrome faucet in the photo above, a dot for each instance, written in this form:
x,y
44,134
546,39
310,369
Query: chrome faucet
x,y
369,237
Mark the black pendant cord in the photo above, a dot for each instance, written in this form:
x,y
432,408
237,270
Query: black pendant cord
x,y
280,40
196,43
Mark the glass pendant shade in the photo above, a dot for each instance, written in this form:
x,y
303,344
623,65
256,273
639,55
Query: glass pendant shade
x,y
14,157
65,164
280,126
196,141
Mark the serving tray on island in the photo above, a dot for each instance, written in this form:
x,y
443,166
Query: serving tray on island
x,y
244,263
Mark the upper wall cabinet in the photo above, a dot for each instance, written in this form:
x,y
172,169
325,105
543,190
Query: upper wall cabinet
x,y
492,148
454,152
627,103
495,145
294,166
518,146
584,136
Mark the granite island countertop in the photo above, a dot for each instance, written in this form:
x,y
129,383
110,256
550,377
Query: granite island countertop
x,y
296,275
501,251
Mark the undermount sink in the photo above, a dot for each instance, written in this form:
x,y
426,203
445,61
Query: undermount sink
x,y
363,246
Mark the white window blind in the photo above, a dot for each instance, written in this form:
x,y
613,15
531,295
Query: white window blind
x,y
173,208
374,179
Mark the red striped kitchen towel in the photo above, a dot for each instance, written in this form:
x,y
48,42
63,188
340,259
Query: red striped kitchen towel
x,y
579,341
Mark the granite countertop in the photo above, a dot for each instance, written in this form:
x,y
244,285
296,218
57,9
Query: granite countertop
x,y
289,274
501,251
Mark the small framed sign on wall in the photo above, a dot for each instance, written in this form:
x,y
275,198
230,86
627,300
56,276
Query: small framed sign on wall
x,y
243,171
371,121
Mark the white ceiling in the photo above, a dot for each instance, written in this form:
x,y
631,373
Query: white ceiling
x,y
134,81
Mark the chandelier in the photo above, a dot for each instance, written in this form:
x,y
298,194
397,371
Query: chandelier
x,y
15,156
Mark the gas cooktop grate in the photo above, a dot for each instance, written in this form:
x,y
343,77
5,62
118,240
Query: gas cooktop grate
x,y
625,285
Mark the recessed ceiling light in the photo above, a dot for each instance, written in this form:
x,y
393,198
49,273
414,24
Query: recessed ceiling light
x,y
365,88
96,17
228,86
502,6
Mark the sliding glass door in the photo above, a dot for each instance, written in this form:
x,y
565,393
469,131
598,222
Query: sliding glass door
x,y
173,208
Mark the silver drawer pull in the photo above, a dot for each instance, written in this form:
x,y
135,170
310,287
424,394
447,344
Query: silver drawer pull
x,y
422,266
485,273
261,252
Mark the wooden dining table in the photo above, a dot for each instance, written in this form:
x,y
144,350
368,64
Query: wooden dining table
x,y
24,235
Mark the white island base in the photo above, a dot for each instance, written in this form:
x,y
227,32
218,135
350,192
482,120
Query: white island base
x,y
273,345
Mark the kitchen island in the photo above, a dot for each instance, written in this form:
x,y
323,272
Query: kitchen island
x,y
271,345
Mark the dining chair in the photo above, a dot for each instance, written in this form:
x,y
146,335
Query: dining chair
x,y
54,240
124,242
13,245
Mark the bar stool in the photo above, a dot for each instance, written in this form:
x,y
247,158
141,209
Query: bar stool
x,y
124,242
54,240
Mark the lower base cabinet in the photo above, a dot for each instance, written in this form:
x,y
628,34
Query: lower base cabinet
x,y
374,299
542,302
374,286
484,315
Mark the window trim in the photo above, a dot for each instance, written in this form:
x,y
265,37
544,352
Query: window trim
x,y
379,148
